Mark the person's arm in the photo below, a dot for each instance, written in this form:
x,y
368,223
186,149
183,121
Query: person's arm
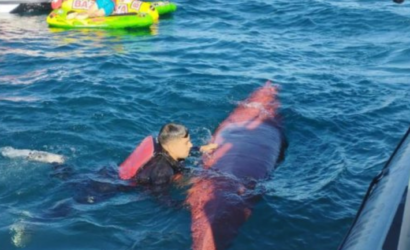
x,y
203,149
96,13
208,148
92,12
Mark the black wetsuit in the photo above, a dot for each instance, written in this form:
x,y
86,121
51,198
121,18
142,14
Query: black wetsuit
x,y
160,169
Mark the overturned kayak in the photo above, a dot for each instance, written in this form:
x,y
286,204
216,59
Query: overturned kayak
x,y
58,19
250,145
383,220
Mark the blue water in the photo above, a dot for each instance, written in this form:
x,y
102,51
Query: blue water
x,y
92,95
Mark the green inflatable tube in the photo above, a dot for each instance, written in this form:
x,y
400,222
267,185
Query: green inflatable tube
x,y
164,8
57,19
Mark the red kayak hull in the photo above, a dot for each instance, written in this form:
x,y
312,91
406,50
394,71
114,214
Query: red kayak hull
x,y
250,144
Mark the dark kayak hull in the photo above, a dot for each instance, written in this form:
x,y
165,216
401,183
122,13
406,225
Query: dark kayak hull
x,y
250,143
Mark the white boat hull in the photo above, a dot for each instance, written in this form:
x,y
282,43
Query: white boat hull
x,y
8,8
383,218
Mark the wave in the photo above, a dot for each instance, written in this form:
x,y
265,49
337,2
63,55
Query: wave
x,y
32,155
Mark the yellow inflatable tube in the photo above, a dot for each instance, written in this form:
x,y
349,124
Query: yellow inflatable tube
x,y
131,6
121,7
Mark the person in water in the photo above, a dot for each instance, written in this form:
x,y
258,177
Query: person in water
x,y
98,9
174,147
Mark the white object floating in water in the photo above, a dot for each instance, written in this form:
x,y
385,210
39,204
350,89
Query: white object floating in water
x,y
20,234
32,155
18,98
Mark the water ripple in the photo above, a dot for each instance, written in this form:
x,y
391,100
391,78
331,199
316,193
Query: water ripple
x,y
92,95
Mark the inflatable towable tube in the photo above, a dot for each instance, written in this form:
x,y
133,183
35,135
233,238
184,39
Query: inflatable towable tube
x,y
164,8
58,19
121,6
141,155
135,6
155,9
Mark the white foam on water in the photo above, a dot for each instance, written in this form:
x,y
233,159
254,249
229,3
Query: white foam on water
x,y
32,155
18,98
20,234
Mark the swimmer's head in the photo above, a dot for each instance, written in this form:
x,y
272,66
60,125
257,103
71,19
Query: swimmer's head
x,y
175,139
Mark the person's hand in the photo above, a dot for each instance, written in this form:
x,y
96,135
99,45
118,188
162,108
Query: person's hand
x,y
208,148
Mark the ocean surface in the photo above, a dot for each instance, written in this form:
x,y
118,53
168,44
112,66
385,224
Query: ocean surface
x,y
343,68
